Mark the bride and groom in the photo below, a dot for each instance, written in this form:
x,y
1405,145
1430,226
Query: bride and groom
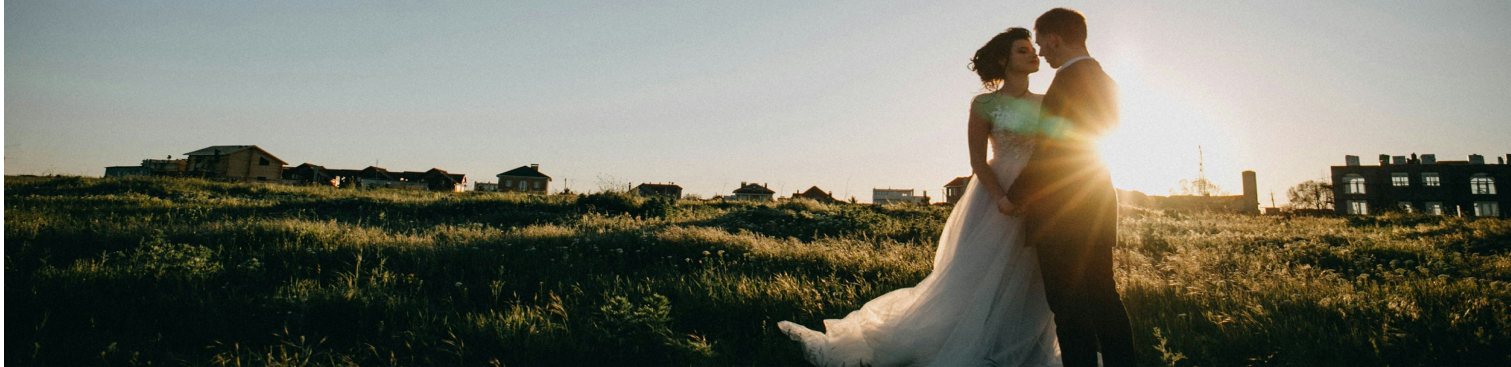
x,y
1023,272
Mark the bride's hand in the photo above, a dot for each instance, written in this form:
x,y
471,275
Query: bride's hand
x,y
1006,206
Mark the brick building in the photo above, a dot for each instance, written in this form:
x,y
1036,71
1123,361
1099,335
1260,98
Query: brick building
x,y
1423,185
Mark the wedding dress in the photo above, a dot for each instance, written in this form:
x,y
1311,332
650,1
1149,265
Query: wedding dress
x,y
982,305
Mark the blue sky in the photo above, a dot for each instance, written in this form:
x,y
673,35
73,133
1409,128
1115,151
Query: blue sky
x,y
845,96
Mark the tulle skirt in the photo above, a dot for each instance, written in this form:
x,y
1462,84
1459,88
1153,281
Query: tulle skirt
x,y
982,305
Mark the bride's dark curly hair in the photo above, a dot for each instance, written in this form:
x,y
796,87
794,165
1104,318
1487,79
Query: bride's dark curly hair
x,y
987,62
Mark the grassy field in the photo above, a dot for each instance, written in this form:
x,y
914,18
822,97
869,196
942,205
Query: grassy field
x,y
189,272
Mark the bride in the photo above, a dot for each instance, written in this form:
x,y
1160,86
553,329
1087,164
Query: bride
x,y
983,304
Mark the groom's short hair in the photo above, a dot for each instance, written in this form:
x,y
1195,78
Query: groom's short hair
x,y
1070,25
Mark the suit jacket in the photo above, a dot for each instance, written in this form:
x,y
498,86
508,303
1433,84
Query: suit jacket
x,y
1080,107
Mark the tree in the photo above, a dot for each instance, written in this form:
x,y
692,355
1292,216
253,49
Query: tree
x,y
1197,187
1314,194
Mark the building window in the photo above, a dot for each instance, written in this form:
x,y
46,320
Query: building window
x,y
537,184
1399,179
1359,207
1487,209
263,161
524,185
1353,184
1434,208
1405,206
1430,179
509,184
1482,184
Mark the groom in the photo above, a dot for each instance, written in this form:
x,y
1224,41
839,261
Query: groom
x,y
1066,196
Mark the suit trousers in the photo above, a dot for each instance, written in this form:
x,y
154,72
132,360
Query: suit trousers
x,y
1074,230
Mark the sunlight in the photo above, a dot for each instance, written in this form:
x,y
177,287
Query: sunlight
x,y
1156,144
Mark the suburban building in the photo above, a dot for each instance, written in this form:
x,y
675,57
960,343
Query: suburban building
x,y
670,190
1422,185
485,186
524,179
955,189
816,194
750,191
434,179
151,167
245,163
897,196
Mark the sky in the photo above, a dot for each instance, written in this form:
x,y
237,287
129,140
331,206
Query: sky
x,y
847,96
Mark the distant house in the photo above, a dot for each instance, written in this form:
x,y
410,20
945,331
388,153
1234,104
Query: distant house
x,y
750,191
955,189
524,179
897,196
485,186
151,167
245,163
1423,185
434,179
816,194
670,190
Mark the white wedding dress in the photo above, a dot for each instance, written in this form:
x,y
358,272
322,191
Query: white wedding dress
x,y
982,305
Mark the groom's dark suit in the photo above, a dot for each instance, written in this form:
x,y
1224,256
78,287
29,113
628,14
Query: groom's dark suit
x,y
1071,216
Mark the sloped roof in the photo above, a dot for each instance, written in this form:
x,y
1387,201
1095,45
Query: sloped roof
x,y
228,149
753,189
525,171
815,191
658,186
958,181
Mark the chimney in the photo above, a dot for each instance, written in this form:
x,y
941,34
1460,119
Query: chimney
x,y
1399,159
1429,159
1250,193
1352,160
1508,158
1476,159
1384,159
535,166
742,184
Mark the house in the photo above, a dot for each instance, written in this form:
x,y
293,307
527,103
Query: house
x,y
751,192
816,194
245,163
434,179
485,186
524,179
1422,185
897,196
670,190
955,189
151,167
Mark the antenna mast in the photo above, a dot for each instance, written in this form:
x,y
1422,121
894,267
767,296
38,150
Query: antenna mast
x,y
1201,169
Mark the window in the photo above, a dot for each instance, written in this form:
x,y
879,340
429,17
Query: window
x,y
1482,184
263,161
508,184
1434,208
1353,184
1358,207
1405,206
537,184
1399,179
523,185
1487,209
1430,179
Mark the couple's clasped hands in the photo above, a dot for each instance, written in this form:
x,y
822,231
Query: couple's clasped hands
x,y
1007,207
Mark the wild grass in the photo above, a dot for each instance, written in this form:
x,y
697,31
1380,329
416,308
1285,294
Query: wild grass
x,y
190,272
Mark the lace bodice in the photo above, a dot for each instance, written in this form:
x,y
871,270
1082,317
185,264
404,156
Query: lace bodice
x,y
1015,123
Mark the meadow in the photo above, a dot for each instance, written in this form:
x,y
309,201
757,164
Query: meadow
x,y
166,272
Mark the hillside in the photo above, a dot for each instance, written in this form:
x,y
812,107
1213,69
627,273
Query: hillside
x,y
191,272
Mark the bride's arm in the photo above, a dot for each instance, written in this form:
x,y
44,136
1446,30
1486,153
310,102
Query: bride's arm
x,y
976,137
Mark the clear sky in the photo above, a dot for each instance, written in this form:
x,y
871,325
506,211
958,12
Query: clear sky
x,y
845,96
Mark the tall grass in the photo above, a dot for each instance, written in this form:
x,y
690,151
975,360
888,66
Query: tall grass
x,y
191,272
